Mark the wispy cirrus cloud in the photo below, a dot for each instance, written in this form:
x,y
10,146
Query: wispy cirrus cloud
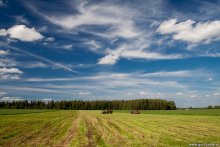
x,y
118,21
181,73
93,45
11,99
10,73
155,36
105,14
66,46
53,63
20,19
167,83
10,70
84,93
33,64
2,93
121,76
137,49
49,39
37,89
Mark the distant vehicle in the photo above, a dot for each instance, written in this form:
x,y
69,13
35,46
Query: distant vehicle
x,y
135,112
109,111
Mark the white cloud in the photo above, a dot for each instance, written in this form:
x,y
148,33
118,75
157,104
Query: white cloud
x,y
10,70
47,99
10,73
129,93
3,32
84,93
3,52
193,91
109,81
10,62
67,46
179,93
179,73
209,79
207,95
130,85
175,80
36,89
93,45
117,21
2,93
9,77
216,94
171,26
118,18
134,50
193,96
191,31
46,60
10,99
23,33
32,65
49,39
159,93
109,59
142,93
148,55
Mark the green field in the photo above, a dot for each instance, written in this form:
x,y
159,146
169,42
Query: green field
x,y
209,112
90,128
22,111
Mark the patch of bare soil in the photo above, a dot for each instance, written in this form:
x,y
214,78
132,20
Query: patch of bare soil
x,y
70,135
89,135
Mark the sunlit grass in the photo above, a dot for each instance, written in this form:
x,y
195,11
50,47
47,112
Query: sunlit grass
x,y
91,128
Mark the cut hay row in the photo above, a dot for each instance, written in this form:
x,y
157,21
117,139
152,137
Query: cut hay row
x,y
91,128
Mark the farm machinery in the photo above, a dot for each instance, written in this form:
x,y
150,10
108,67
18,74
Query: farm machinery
x,y
135,112
107,111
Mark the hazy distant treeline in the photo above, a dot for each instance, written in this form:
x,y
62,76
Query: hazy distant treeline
x,y
141,104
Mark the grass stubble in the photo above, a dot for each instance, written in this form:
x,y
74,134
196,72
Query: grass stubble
x,y
86,128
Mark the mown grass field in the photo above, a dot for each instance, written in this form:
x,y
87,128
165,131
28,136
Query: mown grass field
x,y
208,112
90,128
22,111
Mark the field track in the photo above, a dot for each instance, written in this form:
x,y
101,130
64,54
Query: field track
x,y
90,128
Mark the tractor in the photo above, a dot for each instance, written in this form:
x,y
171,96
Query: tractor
x,y
108,111
135,112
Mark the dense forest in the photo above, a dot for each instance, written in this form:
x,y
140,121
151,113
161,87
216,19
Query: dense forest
x,y
140,104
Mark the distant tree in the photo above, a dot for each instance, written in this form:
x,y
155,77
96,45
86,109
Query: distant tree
x,y
171,105
210,107
140,104
216,107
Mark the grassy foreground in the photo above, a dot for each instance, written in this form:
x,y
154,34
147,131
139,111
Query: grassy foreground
x,y
90,128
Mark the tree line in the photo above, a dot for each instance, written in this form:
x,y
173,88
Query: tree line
x,y
213,107
140,104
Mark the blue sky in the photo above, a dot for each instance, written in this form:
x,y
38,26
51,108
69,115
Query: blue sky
x,y
111,49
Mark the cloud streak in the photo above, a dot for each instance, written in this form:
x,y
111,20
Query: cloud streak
x,y
10,73
119,19
53,63
135,49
